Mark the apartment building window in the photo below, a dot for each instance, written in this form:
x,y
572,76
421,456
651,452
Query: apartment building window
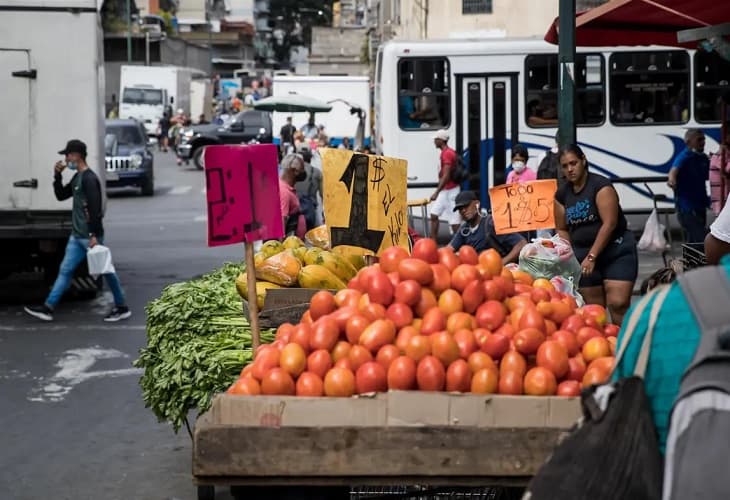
x,y
476,6
424,95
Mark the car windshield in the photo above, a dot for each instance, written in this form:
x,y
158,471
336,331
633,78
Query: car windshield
x,y
126,134
142,96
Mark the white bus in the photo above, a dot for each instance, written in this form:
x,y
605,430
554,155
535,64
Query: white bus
x,y
633,105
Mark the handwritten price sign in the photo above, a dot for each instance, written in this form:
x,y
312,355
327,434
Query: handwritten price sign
x,y
365,201
242,190
526,206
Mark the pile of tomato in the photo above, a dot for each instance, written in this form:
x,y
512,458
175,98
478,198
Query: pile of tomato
x,y
437,321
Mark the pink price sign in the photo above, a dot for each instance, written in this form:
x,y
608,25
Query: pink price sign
x,y
242,189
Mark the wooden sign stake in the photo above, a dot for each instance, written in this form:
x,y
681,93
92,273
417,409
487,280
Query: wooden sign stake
x,y
253,307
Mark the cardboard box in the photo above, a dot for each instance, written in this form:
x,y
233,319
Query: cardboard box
x,y
398,409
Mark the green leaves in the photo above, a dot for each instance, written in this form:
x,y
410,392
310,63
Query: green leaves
x,y
197,343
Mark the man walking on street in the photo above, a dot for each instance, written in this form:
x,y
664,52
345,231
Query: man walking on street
x,y
688,177
87,231
444,198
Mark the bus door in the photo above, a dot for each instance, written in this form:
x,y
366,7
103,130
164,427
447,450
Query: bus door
x,y
486,128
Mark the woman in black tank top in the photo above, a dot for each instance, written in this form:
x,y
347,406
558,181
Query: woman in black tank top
x,y
588,214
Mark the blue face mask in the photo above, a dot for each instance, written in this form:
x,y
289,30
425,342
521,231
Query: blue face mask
x,y
72,165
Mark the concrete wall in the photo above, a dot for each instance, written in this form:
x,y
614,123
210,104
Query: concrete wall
x,y
337,51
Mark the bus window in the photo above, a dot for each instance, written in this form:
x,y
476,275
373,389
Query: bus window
x,y
541,90
649,87
424,100
712,82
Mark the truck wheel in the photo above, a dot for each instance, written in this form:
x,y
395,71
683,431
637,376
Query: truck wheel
x,y
148,186
198,158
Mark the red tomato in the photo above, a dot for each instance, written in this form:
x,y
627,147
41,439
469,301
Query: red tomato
x,y
408,292
402,374
458,376
448,258
373,311
593,377
359,356
496,345
418,347
277,381
339,382
371,377
404,336
356,324
377,334
391,257
441,278
344,363
460,321
573,323
532,319
380,289
505,283
553,356
319,362
586,333
301,335
510,382
450,302
490,315
342,315
427,302
468,255
394,279
528,340
464,275
386,355
426,250
466,342
492,290
507,330
568,388
611,330
284,332
325,334
430,374
473,296
513,361
540,382
433,321
347,297
568,340
576,369
356,284
485,381
400,314
245,386
444,348
415,269
266,359
340,350
310,384
321,304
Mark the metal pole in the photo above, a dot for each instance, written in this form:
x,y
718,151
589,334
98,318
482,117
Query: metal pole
x,y
566,72
147,48
129,32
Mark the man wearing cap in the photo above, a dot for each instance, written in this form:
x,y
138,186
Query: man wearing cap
x,y
478,230
87,231
445,195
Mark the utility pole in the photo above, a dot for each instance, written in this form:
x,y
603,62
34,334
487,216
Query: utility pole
x,y
566,59
129,32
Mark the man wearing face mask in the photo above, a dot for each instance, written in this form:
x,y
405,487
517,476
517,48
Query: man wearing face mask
x,y
87,231
292,171
478,230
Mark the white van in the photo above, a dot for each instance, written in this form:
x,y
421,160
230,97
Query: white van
x,y
51,76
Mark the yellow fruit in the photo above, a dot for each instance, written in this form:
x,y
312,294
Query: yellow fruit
x,y
281,269
258,259
299,253
261,287
315,276
271,248
311,256
338,265
354,255
292,242
318,237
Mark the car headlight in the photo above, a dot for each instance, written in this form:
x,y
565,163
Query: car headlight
x,y
136,160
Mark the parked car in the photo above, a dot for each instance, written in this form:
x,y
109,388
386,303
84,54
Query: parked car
x,y
246,127
129,160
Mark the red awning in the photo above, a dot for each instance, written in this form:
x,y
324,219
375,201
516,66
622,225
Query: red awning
x,y
643,22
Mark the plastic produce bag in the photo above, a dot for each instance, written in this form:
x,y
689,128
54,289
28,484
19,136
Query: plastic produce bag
x,y
99,259
550,257
653,239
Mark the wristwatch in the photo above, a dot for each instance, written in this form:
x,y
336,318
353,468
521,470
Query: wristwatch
x,y
591,257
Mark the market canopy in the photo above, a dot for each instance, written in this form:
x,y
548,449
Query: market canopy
x,y
292,103
644,22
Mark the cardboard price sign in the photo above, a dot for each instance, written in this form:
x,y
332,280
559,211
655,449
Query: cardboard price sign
x,y
526,206
242,190
365,199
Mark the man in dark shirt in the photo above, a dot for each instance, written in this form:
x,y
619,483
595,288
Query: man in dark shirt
x,y
478,230
286,134
87,231
688,177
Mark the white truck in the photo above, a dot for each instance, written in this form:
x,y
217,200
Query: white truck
x,y
343,92
146,91
52,81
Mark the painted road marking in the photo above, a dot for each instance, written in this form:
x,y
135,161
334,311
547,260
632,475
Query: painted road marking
x,y
180,189
53,328
201,218
73,369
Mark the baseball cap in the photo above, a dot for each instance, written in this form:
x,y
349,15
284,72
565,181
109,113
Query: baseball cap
x,y
464,198
74,146
442,134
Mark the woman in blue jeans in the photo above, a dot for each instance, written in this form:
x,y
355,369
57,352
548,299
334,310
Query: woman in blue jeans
x,y
87,231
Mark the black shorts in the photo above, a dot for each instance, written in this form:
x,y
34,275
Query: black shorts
x,y
619,261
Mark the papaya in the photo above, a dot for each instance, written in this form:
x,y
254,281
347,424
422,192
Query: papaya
x,y
292,242
258,259
261,287
337,264
271,248
311,256
316,276
318,237
354,255
299,253
281,269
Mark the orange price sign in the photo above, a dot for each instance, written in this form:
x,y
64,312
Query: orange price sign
x,y
526,206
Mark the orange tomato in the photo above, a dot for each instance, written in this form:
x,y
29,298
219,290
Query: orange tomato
x,y
408,292
321,304
415,269
466,342
594,348
310,384
444,348
245,386
528,340
543,283
306,318
496,345
358,356
595,377
510,382
371,377
386,355
418,347
347,297
463,275
433,321
450,302
340,383
513,361
560,311
377,334
458,376
277,381
402,374
585,334
459,321
426,250
605,364
284,332
341,350
468,255
441,278
567,339
404,336
576,369
344,363
391,257
325,334
568,388
318,362
492,261
428,301
430,374
540,381
480,360
522,277
293,359
354,327
541,297
485,381
246,372
552,355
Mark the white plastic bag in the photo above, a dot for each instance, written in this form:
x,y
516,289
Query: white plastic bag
x,y
653,239
99,259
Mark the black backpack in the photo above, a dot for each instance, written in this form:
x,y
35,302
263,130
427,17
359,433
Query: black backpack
x,y
458,171
549,168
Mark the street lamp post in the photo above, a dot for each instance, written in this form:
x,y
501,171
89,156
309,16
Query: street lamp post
x,y
129,31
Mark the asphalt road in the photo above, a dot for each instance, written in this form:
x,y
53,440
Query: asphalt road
x,y
72,418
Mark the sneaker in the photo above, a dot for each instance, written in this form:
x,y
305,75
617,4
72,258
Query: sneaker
x,y
118,313
41,312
